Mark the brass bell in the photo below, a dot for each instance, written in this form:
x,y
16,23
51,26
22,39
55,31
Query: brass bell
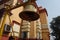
x,y
29,13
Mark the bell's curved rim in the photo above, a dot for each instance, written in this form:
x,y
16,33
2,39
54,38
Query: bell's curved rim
x,y
29,15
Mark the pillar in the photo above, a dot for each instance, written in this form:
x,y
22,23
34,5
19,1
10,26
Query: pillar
x,y
44,24
33,30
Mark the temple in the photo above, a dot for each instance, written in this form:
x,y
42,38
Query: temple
x,y
12,27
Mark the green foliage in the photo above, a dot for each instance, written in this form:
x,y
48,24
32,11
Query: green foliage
x,y
55,26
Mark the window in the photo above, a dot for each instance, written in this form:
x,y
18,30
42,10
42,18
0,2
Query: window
x,y
24,34
7,29
16,29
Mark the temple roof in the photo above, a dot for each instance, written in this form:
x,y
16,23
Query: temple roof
x,y
43,10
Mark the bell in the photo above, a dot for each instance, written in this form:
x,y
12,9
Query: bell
x,y
29,13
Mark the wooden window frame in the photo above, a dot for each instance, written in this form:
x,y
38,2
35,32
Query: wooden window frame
x,y
15,22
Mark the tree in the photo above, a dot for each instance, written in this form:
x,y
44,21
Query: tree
x,y
55,26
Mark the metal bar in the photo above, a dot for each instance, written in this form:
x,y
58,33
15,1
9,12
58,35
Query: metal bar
x,y
2,26
20,28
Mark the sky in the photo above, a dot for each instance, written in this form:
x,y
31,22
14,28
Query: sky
x,y
52,6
